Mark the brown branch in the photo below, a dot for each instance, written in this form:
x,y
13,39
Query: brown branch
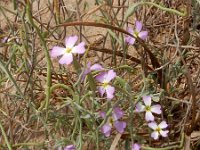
x,y
109,51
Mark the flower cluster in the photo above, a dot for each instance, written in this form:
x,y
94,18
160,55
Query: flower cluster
x,y
104,80
149,109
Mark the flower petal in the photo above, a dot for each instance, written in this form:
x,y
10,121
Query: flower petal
x,y
149,116
130,30
117,113
88,65
102,114
138,26
101,90
143,35
164,133
140,107
69,147
156,109
130,40
80,48
153,125
135,146
106,129
120,126
163,125
110,91
70,41
57,51
86,70
147,100
100,77
67,58
96,67
110,75
155,135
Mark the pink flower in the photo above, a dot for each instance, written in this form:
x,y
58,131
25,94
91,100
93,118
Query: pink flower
x,y
5,39
135,146
113,120
90,68
104,78
148,108
158,129
69,49
70,147
136,33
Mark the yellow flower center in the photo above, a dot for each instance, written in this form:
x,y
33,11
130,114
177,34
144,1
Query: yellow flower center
x,y
136,34
148,108
68,50
105,84
158,129
110,121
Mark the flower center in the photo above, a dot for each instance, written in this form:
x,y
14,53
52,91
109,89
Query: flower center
x,y
136,34
148,108
68,50
105,84
110,121
158,129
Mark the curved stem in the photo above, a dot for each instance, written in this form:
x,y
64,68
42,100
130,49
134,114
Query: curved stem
x,y
55,86
133,7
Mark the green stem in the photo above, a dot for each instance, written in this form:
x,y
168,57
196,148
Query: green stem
x,y
5,69
28,144
48,86
165,9
5,137
133,7
169,147
55,86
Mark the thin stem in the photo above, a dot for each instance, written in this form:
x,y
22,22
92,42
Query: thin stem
x,y
28,144
5,69
48,78
5,137
170,10
169,147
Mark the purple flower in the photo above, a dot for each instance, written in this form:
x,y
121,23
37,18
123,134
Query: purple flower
x,y
148,108
90,68
70,147
158,129
5,39
136,33
104,78
113,120
135,146
69,49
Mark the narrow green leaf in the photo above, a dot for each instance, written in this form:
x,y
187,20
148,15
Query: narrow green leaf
x,y
92,82
115,36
